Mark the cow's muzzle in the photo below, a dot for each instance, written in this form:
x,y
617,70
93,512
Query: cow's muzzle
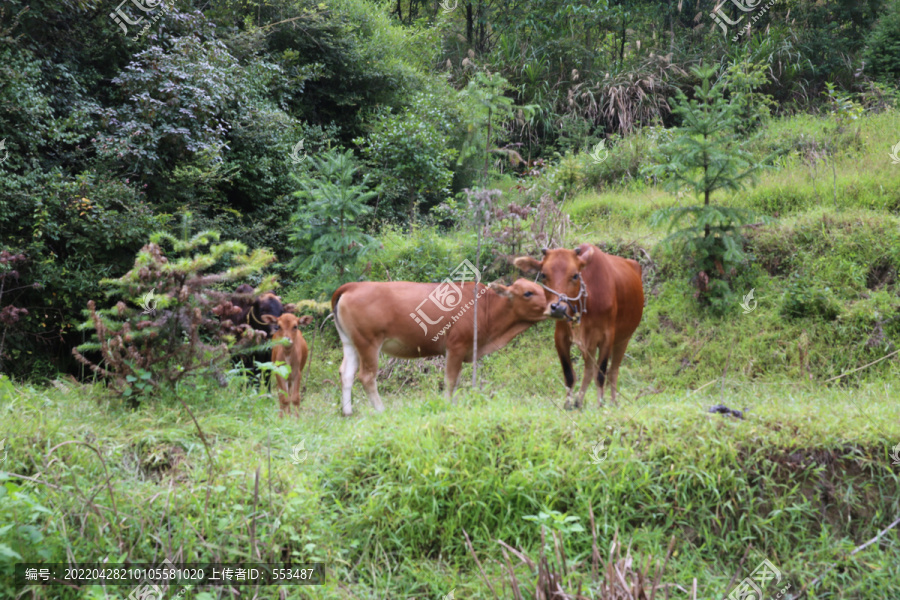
x,y
568,308
559,310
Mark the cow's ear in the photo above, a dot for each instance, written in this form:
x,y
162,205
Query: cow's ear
x,y
289,308
526,264
584,252
501,290
270,319
306,320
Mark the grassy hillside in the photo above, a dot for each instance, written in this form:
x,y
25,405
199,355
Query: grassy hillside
x,y
824,274
384,500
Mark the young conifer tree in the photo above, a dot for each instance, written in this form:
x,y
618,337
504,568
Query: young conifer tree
x,y
707,154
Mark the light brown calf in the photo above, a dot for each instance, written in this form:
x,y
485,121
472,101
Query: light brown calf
x,y
293,354
412,320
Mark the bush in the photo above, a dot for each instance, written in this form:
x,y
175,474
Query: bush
x,y
175,336
173,107
802,300
882,53
411,158
83,229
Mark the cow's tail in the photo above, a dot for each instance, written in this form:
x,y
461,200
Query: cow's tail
x,y
335,299
350,364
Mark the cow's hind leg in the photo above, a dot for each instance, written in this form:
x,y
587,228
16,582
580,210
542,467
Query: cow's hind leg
x,y
590,370
295,395
367,373
451,375
349,366
298,384
601,379
618,353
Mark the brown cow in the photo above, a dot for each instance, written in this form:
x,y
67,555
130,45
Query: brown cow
x,y
293,354
598,301
389,317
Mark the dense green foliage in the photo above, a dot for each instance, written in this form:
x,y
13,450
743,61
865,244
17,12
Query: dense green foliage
x,y
882,54
330,238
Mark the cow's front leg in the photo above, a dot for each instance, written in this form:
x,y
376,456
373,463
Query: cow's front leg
x,y
283,398
295,396
451,374
563,339
590,371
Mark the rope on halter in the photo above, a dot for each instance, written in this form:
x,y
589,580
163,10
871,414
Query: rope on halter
x,y
577,304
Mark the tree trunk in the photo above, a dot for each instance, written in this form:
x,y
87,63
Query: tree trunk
x,y
475,316
706,203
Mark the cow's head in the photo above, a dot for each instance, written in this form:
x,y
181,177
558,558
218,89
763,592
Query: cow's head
x,y
560,275
286,324
236,308
527,300
266,305
244,293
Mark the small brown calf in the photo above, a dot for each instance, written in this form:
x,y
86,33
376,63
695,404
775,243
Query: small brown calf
x,y
293,354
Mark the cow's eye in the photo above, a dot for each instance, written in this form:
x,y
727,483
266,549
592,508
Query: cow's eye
x,y
528,294
575,277
541,276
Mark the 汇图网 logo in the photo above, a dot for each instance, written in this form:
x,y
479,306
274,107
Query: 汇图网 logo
x,y
894,154
297,154
148,302
299,453
600,152
599,453
746,303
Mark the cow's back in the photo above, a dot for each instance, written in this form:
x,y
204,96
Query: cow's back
x,y
629,295
614,291
391,313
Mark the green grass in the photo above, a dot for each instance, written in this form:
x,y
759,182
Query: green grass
x,y
383,499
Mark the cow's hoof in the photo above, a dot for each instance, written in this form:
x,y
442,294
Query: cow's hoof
x,y
567,405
